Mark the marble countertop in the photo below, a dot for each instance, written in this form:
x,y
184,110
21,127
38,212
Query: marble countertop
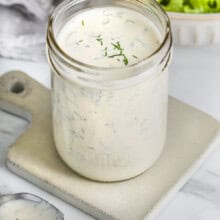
x,y
194,79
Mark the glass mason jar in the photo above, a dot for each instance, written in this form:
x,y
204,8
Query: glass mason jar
x,y
109,123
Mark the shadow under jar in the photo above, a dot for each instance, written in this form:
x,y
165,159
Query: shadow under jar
x,y
109,63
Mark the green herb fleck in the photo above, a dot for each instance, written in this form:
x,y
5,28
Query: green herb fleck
x,y
125,60
106,51
117,46
135,56
78,42
99,39
115,55
83,23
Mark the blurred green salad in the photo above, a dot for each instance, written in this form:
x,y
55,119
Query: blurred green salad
x,y
191,6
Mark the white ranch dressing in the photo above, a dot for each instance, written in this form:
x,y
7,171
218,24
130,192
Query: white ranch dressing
x,y
110,134
27,210
97,36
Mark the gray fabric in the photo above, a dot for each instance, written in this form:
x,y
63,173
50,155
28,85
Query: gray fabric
x,y
38,8
23,28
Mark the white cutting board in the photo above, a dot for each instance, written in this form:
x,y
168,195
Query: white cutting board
x,y
192,136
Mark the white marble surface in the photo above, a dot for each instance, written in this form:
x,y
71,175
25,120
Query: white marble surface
x,y
195,79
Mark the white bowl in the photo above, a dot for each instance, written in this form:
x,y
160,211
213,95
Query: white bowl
x,y
195,29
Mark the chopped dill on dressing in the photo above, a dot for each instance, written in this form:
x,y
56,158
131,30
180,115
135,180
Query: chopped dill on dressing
x,y
117,46
106,51
99,39
78,42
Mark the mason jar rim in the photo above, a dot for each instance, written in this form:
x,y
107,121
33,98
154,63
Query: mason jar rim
x,y
53,44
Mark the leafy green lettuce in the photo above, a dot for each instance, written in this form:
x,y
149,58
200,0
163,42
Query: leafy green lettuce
x,y
191,6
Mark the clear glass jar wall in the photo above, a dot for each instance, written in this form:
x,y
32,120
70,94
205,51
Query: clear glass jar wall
x,y
109,122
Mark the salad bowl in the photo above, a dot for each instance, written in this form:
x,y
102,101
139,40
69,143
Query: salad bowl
x,y
194,22
195,29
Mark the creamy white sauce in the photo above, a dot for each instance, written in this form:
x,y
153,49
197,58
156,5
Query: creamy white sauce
x,y
90,37
27,210
110,134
